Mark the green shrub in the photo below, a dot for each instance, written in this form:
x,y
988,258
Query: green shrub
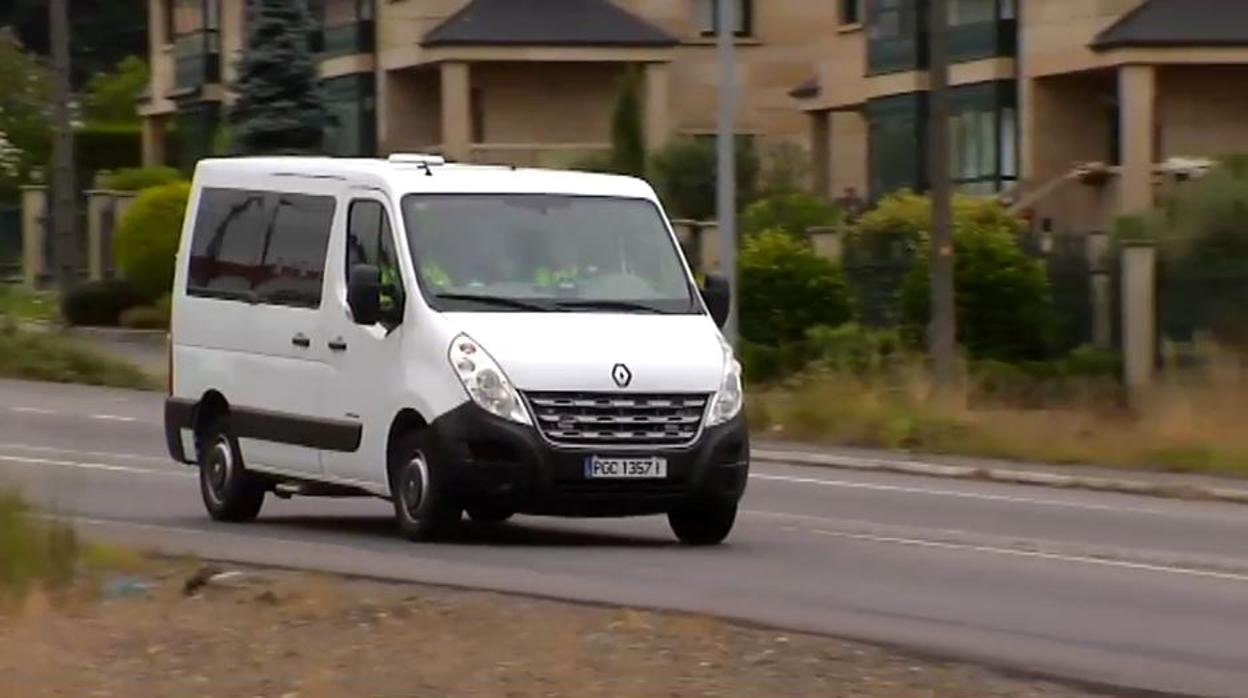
x,y
628,142
685,175
852,348
146,242
786,289
139,178
100,303
1003,300
145,317
31,551
794,213
784,168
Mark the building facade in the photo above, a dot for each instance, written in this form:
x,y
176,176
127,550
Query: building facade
x,y
530,82
1072,108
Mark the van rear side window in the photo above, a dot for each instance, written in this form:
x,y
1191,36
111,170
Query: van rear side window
x,y
260,247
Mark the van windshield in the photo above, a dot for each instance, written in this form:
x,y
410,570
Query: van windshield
x,y
545,253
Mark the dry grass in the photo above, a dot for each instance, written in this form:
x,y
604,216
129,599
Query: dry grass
x,y
1188,423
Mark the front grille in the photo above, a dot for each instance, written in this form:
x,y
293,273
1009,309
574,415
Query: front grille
x,y
609,419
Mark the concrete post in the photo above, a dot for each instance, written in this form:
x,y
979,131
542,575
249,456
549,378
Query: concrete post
x,y
1100,290
34,234
1137,96
1139,319
827,243
821,152
99,207
457,111
154,150
658,105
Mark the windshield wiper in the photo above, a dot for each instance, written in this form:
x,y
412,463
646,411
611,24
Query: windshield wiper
x,y
513,303
610,305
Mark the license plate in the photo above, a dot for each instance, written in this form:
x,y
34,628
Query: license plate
x,y
597,468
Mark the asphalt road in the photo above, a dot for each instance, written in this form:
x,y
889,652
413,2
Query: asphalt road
x,y
1133,592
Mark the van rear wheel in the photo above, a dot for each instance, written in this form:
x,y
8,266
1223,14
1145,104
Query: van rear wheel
x,y
704,521
230,493
423,504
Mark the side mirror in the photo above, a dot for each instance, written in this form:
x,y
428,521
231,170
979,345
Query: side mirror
x,y
364,294
718,298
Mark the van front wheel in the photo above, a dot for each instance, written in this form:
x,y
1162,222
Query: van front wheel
x,y
423,505
703,521
230,493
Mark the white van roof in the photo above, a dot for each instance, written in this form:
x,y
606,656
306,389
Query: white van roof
x,y
418,173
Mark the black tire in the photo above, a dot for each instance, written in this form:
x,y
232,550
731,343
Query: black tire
x,y
703,521
230,493
424,506
490,514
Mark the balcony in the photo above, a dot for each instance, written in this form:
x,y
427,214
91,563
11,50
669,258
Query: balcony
x,y
981,40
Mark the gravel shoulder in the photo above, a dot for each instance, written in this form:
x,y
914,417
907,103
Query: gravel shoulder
x,y
287,635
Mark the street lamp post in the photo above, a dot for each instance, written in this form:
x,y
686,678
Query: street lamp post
x,y
727,170
63,216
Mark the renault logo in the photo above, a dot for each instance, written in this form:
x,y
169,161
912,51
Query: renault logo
x,y
621,375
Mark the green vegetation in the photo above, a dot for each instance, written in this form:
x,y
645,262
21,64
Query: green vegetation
x,y
684,173
25,101
112,96
628,140
100,303
794,213
139,178
146,242
280,107
786,289
53,357
30,306
32,552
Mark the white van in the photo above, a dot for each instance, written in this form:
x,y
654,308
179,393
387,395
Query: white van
x,y
452,338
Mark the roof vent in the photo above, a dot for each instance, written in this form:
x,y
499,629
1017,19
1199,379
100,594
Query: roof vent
x,y
417,159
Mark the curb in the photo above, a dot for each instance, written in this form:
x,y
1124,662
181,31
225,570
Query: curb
x,y
1003,475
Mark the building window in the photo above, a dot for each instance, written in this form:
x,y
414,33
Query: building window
x,y
708,17
896,41
343,27
981,29
896,145
351,101
983,137
851,11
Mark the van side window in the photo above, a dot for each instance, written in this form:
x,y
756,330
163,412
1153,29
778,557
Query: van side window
x,y
260,247
370,240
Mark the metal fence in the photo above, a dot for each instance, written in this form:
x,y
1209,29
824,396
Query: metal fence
x,y
1203,299
876,272
10,242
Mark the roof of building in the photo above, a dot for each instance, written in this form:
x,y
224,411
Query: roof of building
x,y
1162,23
546,23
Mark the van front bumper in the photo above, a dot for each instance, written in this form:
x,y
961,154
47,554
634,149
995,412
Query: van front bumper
x,y
510,465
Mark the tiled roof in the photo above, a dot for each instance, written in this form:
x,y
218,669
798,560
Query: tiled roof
x,y
546,23
1161,23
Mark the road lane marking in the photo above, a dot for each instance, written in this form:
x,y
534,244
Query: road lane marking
x,y
88,454
32,410
105,467
1005,498
1054,557
113,418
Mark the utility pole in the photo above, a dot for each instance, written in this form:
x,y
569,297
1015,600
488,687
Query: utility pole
x,y
62,212
727,167
942,334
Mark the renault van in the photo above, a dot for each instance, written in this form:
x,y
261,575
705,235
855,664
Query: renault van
x,y
453,338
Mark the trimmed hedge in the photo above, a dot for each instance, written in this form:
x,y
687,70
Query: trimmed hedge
x,y
146,241
100,303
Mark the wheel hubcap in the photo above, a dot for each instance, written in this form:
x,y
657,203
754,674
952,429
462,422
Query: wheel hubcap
x,y
218,468
414,485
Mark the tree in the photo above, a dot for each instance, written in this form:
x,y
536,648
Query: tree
x,y
104,31
628,142
280,106
25,104
685,174
112,96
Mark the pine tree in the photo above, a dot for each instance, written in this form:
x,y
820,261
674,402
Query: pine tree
x,y
280,106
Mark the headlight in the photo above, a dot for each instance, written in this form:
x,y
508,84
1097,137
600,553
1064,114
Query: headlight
x,y
727,402
485,381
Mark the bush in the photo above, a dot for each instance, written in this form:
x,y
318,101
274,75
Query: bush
x,y
852,348
1002,296
685,175
100,303
794,213
32,552
139,178
784,168
146,242
786,289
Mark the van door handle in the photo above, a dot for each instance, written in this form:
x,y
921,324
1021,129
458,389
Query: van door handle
x,y
301,340
338,345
